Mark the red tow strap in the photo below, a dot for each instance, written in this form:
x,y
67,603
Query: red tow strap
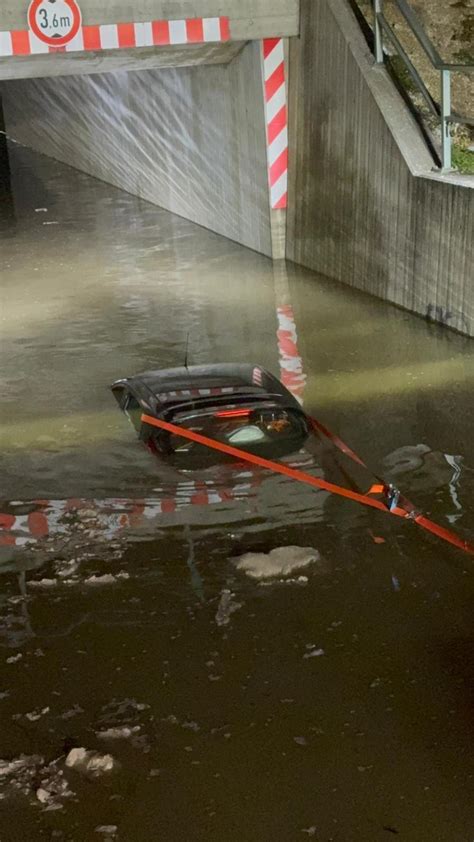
x,y
408,510
337,441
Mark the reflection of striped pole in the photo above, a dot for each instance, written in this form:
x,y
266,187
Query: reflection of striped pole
x,y
276,120
291,365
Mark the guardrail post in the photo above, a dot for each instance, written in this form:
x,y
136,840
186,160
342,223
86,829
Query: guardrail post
x,y
445,125
378,35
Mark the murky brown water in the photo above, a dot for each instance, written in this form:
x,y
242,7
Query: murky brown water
x,y
336,703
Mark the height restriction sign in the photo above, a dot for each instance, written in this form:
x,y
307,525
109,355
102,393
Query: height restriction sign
x,y
55,22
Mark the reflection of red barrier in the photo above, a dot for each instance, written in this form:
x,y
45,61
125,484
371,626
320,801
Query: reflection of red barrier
x,y
38,524
6,521
7,524
112,516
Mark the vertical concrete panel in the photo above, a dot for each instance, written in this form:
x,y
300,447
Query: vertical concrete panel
x,y
365,207
191,140
4,162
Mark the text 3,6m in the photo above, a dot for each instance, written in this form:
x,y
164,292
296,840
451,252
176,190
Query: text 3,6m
x,y
54,22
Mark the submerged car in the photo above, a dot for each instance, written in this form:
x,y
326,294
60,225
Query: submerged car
x,y
241,405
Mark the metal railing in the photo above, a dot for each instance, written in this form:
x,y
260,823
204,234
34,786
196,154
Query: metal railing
x,y
443,111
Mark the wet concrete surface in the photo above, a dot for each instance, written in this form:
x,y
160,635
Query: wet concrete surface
x,y
332,701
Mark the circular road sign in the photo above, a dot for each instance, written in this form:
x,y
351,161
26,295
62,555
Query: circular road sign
x,y
55,22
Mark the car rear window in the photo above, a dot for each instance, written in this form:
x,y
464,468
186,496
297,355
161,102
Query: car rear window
x,y
242,428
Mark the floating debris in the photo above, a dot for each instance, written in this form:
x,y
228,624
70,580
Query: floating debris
x,y
43,583
120,720
118,733
14,658
282,561
107,578
34,715
68,568
117,710
289,580
74,711
25,772
377,539
11,767
191,726
226,608
314,653
90,762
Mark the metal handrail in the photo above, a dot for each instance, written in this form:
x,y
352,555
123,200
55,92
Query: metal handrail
x,y
442,112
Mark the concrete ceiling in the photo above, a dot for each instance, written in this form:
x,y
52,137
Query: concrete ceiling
x,y
146,58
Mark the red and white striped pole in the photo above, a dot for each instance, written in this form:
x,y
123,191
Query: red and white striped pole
x,y
276,120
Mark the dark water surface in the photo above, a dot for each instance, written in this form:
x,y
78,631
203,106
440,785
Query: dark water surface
x,y
334,702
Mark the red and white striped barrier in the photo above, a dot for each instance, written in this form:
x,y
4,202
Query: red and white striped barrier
x,y
157,33
276,118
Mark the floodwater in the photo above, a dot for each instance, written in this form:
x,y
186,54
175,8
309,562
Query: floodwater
x,y
332,701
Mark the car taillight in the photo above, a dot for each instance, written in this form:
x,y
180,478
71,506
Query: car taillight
x,y
232,413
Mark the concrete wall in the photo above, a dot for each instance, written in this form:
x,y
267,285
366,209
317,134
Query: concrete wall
x,y
365,207
4,162
190,140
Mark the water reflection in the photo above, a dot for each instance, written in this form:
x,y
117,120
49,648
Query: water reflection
x,y
292,373
133,600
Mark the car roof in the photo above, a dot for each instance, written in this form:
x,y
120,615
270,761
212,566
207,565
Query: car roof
x,y
177,385
169,379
